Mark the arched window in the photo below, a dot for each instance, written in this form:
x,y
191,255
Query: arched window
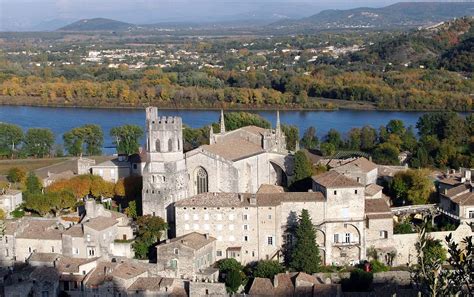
x,y
170,145
157,145
201,180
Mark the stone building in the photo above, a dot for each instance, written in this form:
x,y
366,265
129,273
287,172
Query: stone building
x,y
10,200
458,202
252,227
234,161
360,170
189,256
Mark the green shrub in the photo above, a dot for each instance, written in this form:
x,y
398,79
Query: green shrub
x,y
378,266
359,281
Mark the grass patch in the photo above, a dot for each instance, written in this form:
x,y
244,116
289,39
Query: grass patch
x,y
28,164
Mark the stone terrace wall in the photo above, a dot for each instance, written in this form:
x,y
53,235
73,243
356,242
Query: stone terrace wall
x,y
405,243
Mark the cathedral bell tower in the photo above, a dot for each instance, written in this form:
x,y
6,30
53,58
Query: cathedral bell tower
x,y
164,176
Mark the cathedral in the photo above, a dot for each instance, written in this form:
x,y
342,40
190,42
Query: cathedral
x,y
237,161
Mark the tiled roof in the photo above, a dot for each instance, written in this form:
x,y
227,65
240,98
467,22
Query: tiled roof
x,y
266,188
100,223
128,270
376,206
283,285
326,290
360,163
146,284
457,190
234,149
254,130
193,240
40,229
10,192
102,273
372,189
75,231
261,287
237,200
464,199
45,274
379,216
11,226
71,265
44,257
334,179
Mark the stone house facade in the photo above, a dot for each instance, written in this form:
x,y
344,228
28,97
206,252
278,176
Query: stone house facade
x,y
186,256
252,227
10,200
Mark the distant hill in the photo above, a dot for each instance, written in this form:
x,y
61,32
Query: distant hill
x,y
97,24
397,15
449,45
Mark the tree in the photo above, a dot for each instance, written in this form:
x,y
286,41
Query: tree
x,y
127,138
334,137
267,269
305,256
302,171
89,135
101,188
151,227
33,184
10,138
292,136
368,138
131,210
236,120
309,140
39,142
328,149
461,261
16,175
396,127
233,280
411,187
355,141
386,154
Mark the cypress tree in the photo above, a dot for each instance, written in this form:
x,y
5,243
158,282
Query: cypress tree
x,y
305,256
302,172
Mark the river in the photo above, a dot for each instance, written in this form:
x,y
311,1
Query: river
x,y
60,120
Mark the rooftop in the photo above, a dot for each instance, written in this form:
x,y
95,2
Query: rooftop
x,y
128,270
359,163
71,265
372,189
334,179
35,228
243,199
100,223
234,149
193,240
376,206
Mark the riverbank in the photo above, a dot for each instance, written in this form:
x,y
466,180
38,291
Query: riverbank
x,y
314,104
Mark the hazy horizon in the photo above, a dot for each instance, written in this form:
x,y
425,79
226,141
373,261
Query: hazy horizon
x,y
22,15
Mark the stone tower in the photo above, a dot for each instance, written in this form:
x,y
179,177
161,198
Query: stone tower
x,y
165,178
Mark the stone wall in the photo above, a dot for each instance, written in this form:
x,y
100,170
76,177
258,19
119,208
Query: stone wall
x,y
405,243
198,289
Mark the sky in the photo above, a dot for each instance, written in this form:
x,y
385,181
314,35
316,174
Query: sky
x,y
30,14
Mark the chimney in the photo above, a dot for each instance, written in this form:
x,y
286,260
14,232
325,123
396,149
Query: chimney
x,y
241,197
206,235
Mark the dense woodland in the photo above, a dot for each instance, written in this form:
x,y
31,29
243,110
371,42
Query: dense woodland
x,y
420,70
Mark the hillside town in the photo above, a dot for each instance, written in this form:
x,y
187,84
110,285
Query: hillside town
x,y
232,202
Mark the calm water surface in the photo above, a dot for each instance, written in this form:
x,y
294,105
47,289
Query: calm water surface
x,y
60,120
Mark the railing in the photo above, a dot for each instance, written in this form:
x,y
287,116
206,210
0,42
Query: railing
x,y
414,208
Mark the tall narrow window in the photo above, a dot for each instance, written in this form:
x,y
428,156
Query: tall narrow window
x,y
170,145
157,146
201,180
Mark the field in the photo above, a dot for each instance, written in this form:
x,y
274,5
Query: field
x,y
28,164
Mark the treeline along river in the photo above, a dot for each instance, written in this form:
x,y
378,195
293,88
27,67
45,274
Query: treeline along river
x,y
60,120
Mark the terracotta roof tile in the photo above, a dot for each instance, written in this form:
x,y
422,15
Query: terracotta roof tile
x,y
128,270
334,179
464,199
360,163
261,287
40,229
100,223
372,189
234,149
376,206
146,284
71,265
192,240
